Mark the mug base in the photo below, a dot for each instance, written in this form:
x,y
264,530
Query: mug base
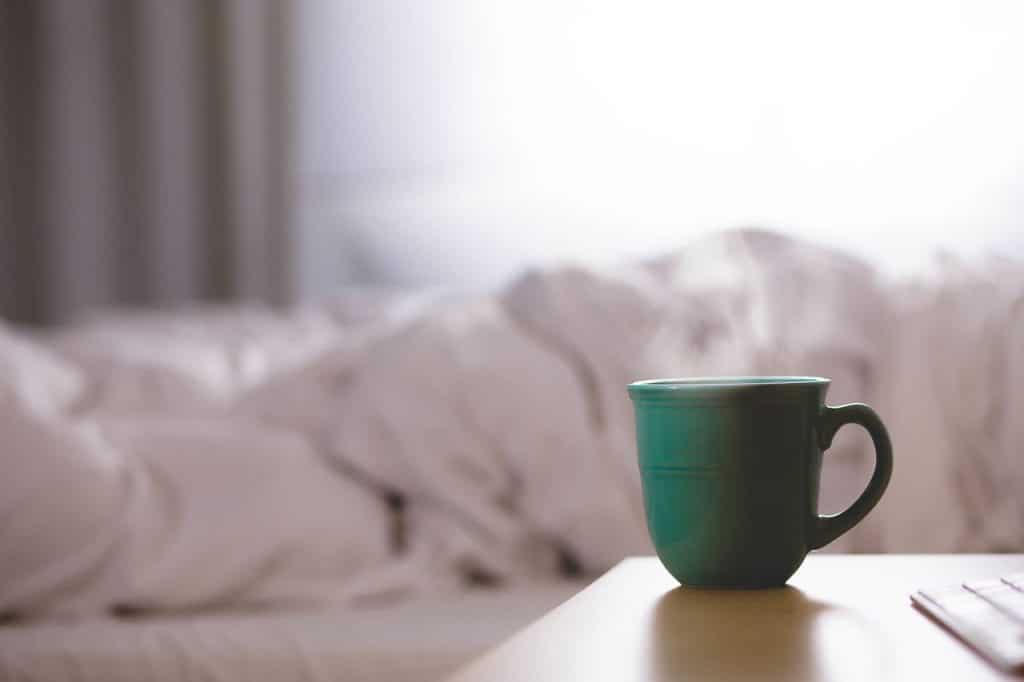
x,y
755,573
766,585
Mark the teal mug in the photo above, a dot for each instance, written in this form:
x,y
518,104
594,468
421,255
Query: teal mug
x,y
730,469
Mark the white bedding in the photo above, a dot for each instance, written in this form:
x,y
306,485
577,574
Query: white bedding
x,y
419,640
404,444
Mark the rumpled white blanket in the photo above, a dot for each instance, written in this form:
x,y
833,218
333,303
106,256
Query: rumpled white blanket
x,y
371,444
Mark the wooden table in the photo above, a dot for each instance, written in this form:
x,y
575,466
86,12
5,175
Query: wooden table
x,y
841,618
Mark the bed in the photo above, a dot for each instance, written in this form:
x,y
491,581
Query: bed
x,y
422,639
321,492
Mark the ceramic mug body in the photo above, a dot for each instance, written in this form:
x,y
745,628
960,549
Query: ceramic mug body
x,y
730,470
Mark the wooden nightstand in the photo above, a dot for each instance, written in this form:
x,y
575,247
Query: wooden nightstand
x,y
841,618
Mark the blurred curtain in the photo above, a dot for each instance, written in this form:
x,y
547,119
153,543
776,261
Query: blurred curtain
x,y
145,154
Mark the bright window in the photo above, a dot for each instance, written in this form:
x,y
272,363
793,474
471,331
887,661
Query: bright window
x,y
454,142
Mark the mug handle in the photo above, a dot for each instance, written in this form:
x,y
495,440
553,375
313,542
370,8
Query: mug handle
x,y
825,529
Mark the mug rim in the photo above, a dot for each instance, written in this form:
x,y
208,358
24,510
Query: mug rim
x,y
728,384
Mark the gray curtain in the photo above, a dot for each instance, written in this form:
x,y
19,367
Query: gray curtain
x,y
145,154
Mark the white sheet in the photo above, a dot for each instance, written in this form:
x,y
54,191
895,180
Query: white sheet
x,y
420,640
